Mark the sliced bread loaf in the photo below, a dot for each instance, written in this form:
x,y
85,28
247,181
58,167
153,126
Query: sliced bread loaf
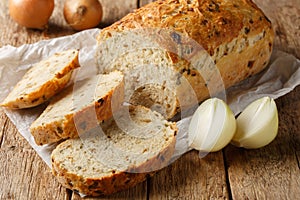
x,y
43,80
185,50
118,154
79,108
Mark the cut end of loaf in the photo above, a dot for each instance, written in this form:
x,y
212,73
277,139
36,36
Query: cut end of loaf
x,y
135,143
235,35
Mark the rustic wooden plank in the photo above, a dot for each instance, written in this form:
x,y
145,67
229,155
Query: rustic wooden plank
x,y
273,172
115,10
138,192
25,176
15,35
191,178
285,16
11,138
24,173
144,2
289,107
3,122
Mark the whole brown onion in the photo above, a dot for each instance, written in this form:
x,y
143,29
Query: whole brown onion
x,y
82,14
31,13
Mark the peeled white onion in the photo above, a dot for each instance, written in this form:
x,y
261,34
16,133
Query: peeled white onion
x,y
212,126
257,125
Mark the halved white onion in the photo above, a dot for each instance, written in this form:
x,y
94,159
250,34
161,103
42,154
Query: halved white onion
x,y
257,125
212,126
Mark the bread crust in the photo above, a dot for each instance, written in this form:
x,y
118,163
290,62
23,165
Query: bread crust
x,y
47,90
236,34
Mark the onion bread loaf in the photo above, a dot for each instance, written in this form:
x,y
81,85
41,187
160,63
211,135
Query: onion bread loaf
x,y
118,154
175,53
43,80
79,107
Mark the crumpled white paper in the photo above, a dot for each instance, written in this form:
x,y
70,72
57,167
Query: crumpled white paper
x,y
281,77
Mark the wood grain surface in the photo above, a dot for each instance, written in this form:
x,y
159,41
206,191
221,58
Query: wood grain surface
x,y
272,172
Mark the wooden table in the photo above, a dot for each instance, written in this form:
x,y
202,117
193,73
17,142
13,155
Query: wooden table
x,y
271,172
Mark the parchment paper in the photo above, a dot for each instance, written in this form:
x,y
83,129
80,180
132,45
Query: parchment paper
x,y
281,77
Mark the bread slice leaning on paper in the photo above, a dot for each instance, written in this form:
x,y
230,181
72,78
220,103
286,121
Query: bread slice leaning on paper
x,y
79,108
43,80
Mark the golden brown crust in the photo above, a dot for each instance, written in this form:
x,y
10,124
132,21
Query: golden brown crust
x,y
234,67
236,34
116,182
209,22
97,187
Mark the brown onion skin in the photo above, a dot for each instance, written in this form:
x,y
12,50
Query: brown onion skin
x,y
82,14
31,13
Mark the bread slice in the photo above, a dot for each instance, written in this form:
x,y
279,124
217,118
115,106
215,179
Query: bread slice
x,y
118,154
43,80
79,108
175,54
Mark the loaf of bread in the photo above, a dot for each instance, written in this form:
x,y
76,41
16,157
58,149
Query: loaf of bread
x,y
79,108
118,154
43,80
176,53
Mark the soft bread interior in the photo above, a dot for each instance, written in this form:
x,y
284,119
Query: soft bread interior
x,y
136,140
